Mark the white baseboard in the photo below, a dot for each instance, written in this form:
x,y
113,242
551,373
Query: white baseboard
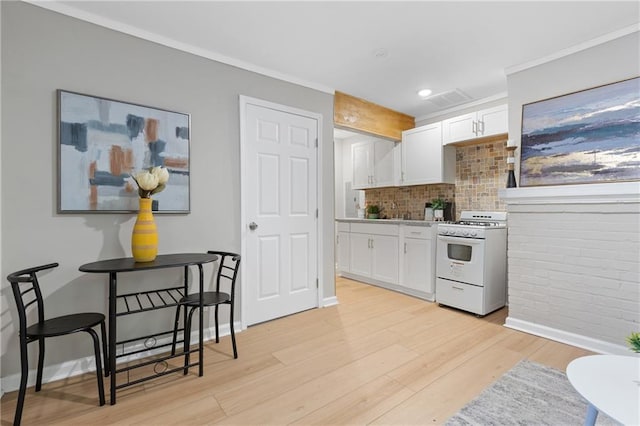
x,y
329,301
83,365
589,343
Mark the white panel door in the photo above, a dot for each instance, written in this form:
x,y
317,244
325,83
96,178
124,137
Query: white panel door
x,y
280,202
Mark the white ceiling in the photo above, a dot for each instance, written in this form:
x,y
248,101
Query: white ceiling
x,y
332,45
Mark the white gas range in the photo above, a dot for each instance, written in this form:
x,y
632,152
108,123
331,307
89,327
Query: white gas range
x,y
471,262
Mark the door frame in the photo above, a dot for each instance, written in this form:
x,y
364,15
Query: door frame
x,y
243,102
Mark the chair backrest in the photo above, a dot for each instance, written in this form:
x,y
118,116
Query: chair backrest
x,y
26,291
227,268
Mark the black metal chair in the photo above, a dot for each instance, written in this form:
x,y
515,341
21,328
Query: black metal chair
x,y
26,291
228,266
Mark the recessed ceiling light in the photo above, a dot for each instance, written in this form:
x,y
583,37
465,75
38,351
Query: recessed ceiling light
x,y
424,93
381,53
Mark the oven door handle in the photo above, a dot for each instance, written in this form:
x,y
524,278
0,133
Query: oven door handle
x,y
460,240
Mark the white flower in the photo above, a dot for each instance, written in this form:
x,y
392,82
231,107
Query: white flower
x,y
146,180
161,173
151,181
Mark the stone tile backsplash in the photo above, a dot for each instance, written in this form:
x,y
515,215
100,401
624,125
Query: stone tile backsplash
x,y
480,171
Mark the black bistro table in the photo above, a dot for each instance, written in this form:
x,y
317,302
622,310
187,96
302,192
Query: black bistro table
x,y
148,300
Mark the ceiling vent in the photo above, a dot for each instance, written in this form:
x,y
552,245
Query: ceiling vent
x,y
448,99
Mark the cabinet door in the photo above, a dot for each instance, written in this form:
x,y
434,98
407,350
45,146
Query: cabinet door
x,y
459,128
360,254
385,258
422,155
493,121
342,251
361,161
383,163
416,266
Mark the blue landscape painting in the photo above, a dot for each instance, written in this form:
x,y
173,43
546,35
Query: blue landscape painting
x,y
584,137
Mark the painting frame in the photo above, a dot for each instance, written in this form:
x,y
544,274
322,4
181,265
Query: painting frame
x,y
582,137
102,142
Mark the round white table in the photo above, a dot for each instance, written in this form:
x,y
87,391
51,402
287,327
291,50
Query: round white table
x,y
611,385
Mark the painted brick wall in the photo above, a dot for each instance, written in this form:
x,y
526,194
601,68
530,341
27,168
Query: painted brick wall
x,y
480,171
576,268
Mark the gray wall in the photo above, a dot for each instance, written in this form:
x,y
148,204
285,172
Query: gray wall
x,y
573,266
43,51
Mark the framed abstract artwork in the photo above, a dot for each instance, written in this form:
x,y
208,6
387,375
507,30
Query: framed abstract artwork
x,y
102,142
591,136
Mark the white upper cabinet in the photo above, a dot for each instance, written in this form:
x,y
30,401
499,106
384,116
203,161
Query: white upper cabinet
x,y
479,124
424,160
372,164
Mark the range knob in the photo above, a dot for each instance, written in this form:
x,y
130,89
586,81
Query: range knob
x,y
465,233
474,233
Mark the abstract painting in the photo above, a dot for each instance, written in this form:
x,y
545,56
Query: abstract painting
x,y
591,136
102,142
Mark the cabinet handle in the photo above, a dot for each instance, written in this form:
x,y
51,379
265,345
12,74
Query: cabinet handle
x,y
405,248
457,288
372,243
474,128
481,127
368,242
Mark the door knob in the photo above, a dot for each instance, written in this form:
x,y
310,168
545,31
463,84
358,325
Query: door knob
x,y
253,226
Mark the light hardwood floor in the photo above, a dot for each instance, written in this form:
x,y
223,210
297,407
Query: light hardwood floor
x,y
378,357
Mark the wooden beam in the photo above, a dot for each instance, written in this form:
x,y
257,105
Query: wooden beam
x,y
350,112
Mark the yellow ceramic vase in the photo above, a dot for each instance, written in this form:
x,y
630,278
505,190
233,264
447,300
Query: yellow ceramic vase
x,y
144,239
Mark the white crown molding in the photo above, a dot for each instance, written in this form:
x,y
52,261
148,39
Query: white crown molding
x,y
73,12
574,49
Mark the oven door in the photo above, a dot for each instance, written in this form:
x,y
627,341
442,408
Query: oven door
x,y
460,259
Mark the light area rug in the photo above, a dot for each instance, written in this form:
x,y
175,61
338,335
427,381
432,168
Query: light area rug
x,y
528,394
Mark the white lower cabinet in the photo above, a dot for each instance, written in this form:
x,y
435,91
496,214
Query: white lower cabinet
x,y
342,247
397,257
374,251
418,258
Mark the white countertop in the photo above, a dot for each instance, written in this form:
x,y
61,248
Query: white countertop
x,y
391,221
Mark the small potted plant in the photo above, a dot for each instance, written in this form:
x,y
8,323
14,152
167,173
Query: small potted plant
x,y
373,211
437,204
634,342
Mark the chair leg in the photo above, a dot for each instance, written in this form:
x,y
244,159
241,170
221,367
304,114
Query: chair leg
x,y
40,363
175,330
187,339
96,348
233,333
105,345
217,335
24,373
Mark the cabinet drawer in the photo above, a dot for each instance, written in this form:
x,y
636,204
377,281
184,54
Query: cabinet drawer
x,y
375,228
462,296
421,232
343,226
